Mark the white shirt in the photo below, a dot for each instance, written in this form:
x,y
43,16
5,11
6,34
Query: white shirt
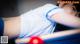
x,y
37,22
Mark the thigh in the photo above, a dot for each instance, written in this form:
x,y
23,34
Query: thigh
x,y
11,26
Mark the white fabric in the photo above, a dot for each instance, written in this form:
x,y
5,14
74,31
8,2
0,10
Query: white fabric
x,y
35,22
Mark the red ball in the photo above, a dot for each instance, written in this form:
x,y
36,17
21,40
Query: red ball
x,y
36,40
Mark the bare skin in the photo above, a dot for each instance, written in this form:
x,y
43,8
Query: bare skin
x,y
12,26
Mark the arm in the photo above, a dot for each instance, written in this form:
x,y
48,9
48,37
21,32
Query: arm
x,y
55,35
67,19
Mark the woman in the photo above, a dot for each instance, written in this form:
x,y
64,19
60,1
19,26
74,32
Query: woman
x,y
40,21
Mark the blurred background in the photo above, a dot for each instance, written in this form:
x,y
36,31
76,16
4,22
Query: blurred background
x,y
11,8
